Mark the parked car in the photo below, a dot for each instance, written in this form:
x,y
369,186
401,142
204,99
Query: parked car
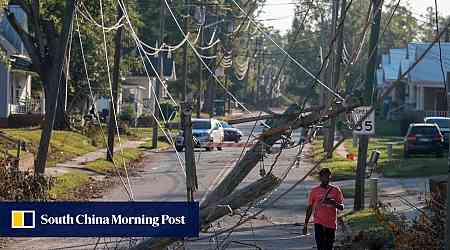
x,y
425,138
443,124
231,133
204,131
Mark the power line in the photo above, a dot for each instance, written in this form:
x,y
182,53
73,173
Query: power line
x,y
289,56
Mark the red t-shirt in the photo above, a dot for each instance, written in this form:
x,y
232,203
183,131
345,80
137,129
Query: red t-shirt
x,y
325,214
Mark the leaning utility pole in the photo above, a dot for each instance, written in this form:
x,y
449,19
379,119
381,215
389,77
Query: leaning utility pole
x,y
332,71
113,105
370,93
159,83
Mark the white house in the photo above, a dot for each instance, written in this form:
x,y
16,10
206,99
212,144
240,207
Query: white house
x,y
15,84
423,89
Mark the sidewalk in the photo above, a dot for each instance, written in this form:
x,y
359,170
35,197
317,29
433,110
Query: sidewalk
x,y
77,163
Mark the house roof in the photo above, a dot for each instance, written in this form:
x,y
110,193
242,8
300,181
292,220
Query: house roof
x,y
427,71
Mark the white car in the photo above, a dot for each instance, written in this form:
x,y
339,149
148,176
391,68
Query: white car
x,y
205,132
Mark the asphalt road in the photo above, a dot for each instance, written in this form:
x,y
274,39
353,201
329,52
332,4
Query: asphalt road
x,y
161,178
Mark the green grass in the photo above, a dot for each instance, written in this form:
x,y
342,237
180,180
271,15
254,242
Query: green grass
x,y
65,185
365,223
106,167
362,220
161,145
64,145
341,168
415,167
418,166
349,191
139,133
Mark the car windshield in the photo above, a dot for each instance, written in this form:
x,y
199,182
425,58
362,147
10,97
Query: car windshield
x,y
442,123
201,125
226,125
423,130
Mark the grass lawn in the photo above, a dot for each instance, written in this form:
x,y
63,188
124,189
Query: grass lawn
x,y
64,145
105,167
341,168
66,184
372,233
349,192
417,166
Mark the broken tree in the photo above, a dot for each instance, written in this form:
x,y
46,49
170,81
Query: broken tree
x,y
224,199
47,48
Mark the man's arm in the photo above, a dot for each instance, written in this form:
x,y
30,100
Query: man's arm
x,y
309,210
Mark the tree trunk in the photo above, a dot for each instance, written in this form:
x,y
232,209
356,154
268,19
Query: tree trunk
x,y
52,81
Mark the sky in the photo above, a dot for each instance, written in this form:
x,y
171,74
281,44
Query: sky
x,y
283,11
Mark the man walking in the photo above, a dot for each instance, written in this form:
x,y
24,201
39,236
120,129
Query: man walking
x,y
324,201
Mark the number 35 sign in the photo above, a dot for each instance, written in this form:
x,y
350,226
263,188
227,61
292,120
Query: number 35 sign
x,y
367,126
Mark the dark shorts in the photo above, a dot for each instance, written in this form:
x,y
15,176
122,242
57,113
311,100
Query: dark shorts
x,y
324,237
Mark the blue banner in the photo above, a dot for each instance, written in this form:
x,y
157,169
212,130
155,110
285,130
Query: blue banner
x,y
92,219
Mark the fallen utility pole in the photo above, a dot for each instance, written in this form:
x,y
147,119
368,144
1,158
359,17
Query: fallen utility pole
x,y
113,105
223,199
369,92
159,82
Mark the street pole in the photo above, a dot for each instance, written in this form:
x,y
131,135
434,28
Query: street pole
x,y
200,66
447,242
370,93
113,105
329,140
161,74
190,168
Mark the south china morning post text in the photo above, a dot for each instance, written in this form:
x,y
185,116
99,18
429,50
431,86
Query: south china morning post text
x,y
115,219
102,219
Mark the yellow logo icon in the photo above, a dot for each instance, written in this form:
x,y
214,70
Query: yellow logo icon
x,y
22,219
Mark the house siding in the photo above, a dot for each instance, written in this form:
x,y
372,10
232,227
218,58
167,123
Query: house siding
x,y
4,88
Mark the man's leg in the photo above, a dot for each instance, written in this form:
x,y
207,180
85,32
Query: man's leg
x,y
319,234
329,236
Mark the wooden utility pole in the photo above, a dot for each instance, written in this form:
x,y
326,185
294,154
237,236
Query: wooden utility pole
x,y
190,168
447,242
329,140
369,93
200,72
113,105
159,83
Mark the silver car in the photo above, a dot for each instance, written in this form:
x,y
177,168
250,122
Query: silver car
x,y
205,132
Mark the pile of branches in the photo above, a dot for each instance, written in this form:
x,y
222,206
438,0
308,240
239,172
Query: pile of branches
x,y
425,232
17,185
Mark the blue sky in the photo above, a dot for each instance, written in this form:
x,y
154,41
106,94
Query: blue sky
x,y
283,11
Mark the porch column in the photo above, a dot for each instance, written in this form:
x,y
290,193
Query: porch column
x,y
422,98
412,93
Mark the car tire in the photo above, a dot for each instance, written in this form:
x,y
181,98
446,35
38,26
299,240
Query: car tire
x,y
208,149
237,139
219,148
179,149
